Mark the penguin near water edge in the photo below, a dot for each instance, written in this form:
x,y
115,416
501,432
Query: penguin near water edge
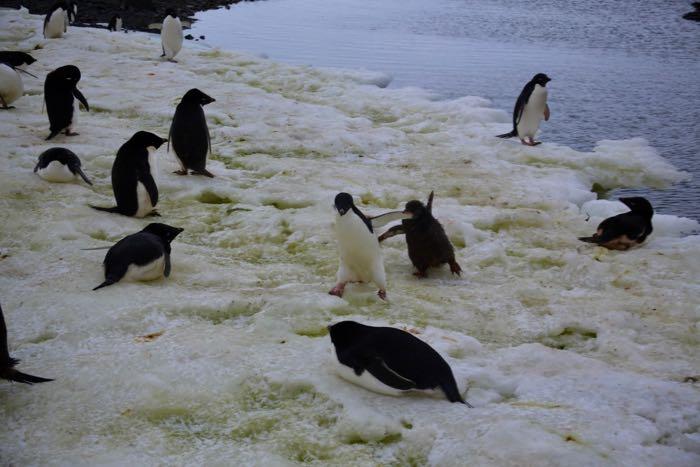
x,y
626,230
530,108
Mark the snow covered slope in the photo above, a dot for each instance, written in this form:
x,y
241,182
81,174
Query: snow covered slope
x,y
572,355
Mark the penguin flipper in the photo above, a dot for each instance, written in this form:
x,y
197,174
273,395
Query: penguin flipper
x,y
13,375
395,230
378,368
82,175
383,219
149,184
589,239
452,393
166,271
53,133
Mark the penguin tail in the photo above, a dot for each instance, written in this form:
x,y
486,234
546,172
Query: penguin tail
x,y
18,376
53,133
104,284
589,239
508,135
114,209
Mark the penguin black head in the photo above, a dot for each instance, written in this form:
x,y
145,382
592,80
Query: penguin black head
x,y
541,79
416,209
146,139
16,59
343,203
195,96
344,333
164,231
639,205
70,73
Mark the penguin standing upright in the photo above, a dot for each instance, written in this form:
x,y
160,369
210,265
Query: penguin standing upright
x,y
72,10
11,85
530,108
190,135
143,256
171,35
7,363
132,176
115,24
59,93
428,245
360,256
56,21
625,230
390,361
59,165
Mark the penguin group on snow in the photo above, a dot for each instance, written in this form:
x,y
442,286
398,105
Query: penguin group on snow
x,y
383,359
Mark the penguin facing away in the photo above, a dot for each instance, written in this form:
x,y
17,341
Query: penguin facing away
x,y
390,361
171,35
60,91
428,245
60,165
7,363
360,256
56,21
143,256
11,85
190,135
530,108
133,180
625,230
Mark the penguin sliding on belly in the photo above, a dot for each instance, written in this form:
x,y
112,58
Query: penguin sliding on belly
x,y
56,21
190,135
625,230
59,165
133,180
390,361
530,108
360,256
60,92
11,85
143,256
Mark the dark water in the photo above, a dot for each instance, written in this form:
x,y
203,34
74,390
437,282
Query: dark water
x,y
620,69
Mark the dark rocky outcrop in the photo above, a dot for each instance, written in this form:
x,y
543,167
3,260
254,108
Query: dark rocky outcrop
x,y
693,15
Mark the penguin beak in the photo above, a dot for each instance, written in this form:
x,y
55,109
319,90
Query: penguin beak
x,y
81,98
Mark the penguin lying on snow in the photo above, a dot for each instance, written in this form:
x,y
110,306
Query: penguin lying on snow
x,y
11,86
56,21
428,245
132,176
143,256
190,135
390,361
59,165
7,363
625,230
115,24
529,110
60,92
360,256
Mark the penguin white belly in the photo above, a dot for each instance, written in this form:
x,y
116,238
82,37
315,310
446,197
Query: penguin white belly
x,y
171,37
144,201
11,86
360,255
56,25
118,25
366,380
148,272
76,110
56,172
533,113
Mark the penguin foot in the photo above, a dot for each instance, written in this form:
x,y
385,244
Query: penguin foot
x,y
337,290
421,274
455,269
5,107
153,213
71,133
381,293
204,172
180,172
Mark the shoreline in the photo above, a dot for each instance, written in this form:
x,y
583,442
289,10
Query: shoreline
x,y
136,15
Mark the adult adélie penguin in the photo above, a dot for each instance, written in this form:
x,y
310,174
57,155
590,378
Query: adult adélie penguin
x,y
133,180
626,230
171,35
189,133
60,92
7,363
360,255
11,84
390,361
142,256
56,21
530,108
